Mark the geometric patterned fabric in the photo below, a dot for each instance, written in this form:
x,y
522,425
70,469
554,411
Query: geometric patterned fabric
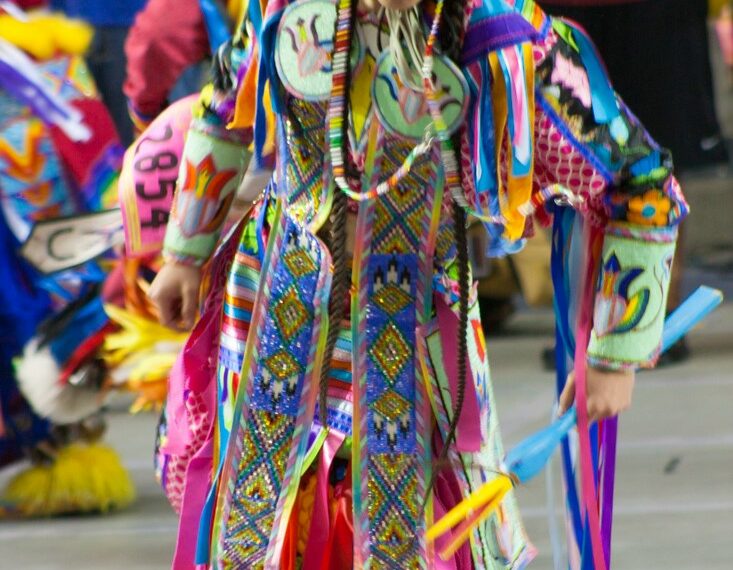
x,y
394,463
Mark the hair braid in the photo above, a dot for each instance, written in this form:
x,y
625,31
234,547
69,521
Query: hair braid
x,y
451,37
339,257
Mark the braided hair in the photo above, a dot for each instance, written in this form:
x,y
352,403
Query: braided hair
x,y
451,35
339,257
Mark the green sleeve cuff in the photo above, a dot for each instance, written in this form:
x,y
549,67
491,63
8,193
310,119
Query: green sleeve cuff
x,y
631,297
212,167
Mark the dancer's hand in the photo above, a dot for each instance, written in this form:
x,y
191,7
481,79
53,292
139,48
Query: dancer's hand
x,y
175,293
608,392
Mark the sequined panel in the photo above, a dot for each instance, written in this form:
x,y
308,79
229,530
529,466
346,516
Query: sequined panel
x,y
393,463
267,431
391,362
286,337
304,166
395,521
390,352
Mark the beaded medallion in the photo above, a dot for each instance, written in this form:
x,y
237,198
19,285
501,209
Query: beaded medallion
x,y
404,111
304,47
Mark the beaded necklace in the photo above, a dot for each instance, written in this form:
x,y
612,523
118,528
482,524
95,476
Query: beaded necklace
x,y
337,127
340,98
438,129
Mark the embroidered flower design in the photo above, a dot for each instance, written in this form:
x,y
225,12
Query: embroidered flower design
x,y
616,309
650,209
313,54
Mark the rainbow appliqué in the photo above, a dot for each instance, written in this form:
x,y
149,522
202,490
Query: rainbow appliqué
x,y
615,310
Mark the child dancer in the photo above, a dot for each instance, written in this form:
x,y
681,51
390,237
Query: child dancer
x,y
353,398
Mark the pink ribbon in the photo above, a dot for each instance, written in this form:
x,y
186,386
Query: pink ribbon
x,y
468,431
587,478
320,520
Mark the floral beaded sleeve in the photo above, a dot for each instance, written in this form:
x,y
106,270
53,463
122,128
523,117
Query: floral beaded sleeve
x,y
215,155
587,141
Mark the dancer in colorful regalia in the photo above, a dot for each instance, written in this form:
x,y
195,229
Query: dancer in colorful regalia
x,y
334,398
59,159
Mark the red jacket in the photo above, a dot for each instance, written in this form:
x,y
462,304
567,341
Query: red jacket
x,y
167,37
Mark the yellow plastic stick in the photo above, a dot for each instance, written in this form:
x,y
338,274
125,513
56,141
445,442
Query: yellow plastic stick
x,y
464,530
475,501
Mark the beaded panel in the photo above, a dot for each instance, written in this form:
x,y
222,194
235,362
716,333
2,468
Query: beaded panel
x,y
265,449
399,215
393,464
395,518
270,430
391,365
305,173
285,341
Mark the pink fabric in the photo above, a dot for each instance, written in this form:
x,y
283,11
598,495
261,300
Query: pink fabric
x,y
198,477
587,478
320,520
447,493
148,181
560,162
167,37
191,409
468,432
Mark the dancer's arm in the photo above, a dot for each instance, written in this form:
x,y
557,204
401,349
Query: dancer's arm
x,y
589,142
214,159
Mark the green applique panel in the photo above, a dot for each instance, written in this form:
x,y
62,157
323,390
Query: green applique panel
x,y
211,170
404,111
630,302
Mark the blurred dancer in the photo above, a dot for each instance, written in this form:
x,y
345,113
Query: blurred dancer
x,y
106,57
168,39
59,155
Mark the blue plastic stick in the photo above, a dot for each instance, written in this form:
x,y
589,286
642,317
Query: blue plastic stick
x,y
529,457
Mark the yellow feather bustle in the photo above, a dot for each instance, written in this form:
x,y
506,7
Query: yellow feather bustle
x,y
45,35
82,479
141,355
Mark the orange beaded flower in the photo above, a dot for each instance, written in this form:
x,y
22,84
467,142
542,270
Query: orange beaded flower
x,y
650,209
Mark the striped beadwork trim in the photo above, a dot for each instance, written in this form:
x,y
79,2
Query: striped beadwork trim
x,y
642,233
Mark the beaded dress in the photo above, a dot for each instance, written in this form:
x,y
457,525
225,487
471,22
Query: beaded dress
x,y
536,122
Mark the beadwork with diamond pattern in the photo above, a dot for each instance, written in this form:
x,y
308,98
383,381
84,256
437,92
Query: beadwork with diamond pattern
x,y
304,164
266,432
399,214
